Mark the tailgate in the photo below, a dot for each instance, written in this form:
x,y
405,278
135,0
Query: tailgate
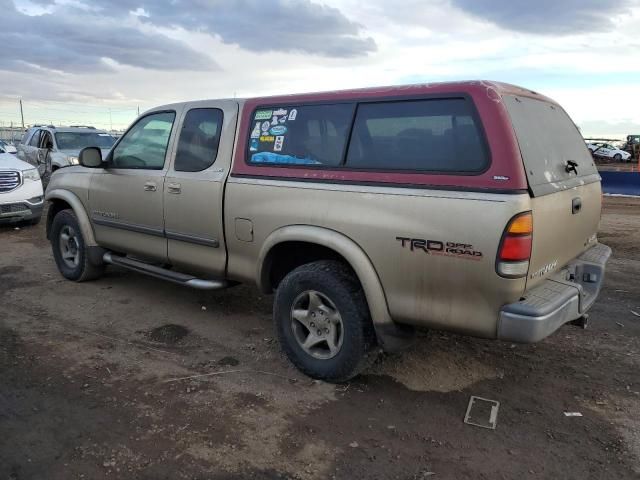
x,y
563,180
561,229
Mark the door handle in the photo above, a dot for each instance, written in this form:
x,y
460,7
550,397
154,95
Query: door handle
x,y
150,187
174,188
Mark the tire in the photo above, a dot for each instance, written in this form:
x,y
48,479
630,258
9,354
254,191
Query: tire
x,y
78,268
338,290
617,157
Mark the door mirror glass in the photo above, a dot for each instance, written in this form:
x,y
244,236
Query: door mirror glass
x,y
90,157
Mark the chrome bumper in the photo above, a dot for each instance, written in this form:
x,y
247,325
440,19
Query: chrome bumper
x,y
563,298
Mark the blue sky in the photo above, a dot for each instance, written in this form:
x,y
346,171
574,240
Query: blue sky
x,y
83,61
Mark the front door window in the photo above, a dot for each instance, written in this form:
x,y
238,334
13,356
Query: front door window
x,y
144,146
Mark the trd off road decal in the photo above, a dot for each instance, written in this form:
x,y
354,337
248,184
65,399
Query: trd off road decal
x,y
436,247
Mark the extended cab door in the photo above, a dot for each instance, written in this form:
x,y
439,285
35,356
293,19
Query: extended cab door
x,y
194,187
126,197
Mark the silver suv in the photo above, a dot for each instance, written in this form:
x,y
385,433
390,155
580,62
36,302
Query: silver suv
x,y
59,146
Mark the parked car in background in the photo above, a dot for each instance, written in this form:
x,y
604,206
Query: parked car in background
x,y
21,194
471,207
59,146
7,148
608,151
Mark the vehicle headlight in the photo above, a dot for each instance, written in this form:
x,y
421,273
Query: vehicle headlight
x,y
31,174
73,160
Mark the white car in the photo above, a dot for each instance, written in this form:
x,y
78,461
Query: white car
x,y
609,151
7,148
21,194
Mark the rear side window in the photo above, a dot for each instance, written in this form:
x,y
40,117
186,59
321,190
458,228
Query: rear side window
x,y
199,139
25,137
437,135
300,135
35,139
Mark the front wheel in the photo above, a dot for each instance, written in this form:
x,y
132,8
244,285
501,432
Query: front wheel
x,y
323,321
617,157
69,249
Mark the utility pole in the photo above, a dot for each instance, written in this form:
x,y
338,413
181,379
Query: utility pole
x,y
21,114
110,122
138,110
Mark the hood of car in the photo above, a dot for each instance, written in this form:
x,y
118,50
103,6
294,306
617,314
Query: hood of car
x,y
9,148
10,161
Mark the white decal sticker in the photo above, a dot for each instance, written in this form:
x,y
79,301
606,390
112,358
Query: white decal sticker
x,y
279,112
274,120
256,131
277,146
283,119
265,126
293,114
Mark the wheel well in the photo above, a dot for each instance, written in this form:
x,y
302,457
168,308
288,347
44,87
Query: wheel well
x,y
287,256
55,205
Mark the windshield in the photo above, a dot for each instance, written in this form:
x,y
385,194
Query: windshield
x,y
80,140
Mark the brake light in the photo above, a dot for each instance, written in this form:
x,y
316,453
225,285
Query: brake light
x,y
515,247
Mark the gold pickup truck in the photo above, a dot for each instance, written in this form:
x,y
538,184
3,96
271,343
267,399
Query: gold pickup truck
x,y
471,207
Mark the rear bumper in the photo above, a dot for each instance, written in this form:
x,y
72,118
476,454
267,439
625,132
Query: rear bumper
x,y
565,297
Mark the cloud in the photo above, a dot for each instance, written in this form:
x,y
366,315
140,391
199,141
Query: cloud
x,y
273,26
548,17
254,25
75,41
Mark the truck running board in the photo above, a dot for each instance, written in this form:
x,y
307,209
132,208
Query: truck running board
x,y
163,273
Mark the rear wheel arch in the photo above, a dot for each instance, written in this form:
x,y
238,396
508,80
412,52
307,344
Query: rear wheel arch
x,y
276,260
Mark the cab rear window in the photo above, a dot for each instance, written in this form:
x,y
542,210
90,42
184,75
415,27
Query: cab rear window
x,y
432,135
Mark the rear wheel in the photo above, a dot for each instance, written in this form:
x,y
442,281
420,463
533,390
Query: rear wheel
x,y
617,157
69,249
323,321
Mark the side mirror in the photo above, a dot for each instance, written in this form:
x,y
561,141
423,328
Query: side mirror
x,y
90,157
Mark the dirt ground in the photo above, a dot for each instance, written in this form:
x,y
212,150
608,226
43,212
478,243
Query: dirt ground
x,y
91,386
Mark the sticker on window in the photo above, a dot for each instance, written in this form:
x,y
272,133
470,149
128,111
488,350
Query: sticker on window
x,y
263,114
265,126
293,114
278,130
279,112
256,131
254,145
279,142
270,157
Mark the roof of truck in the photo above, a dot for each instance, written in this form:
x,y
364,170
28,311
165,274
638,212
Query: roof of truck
x,y
493,89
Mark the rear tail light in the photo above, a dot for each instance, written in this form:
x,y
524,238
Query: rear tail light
x,y
515,247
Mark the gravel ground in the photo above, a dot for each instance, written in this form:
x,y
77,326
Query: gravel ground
x,y
92,385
